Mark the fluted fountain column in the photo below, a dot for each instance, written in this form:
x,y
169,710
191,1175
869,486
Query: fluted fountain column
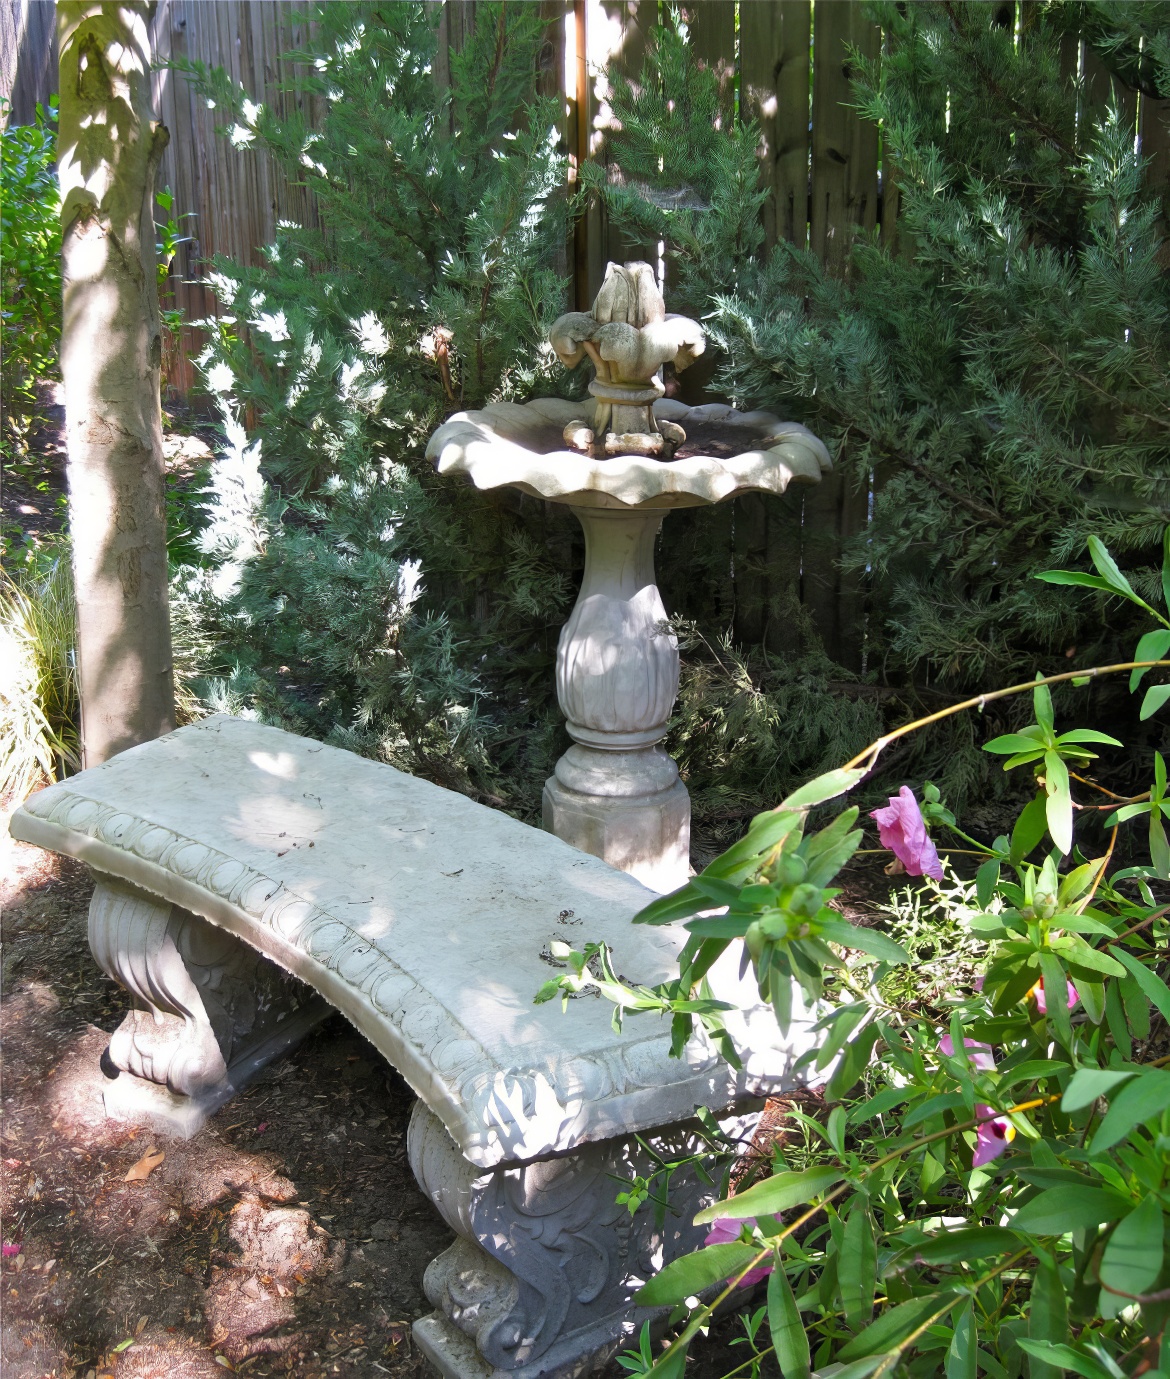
x,y
615,792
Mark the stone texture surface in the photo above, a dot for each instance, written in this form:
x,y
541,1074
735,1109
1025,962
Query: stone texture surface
x,y
423,917
645,835
546,1262
521,444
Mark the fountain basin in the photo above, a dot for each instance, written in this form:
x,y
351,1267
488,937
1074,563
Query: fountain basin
x,y
520,445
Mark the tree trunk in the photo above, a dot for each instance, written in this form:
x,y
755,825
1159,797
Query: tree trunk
x,y
111,348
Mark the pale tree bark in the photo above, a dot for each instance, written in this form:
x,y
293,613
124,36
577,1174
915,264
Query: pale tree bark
x,y
111,348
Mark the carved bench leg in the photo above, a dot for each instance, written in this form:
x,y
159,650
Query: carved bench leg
x,y
209,1012
540,1281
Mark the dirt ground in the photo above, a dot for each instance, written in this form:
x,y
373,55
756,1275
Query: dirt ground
x,y
288,1237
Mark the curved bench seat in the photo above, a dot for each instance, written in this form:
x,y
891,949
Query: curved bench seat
x,y
426,919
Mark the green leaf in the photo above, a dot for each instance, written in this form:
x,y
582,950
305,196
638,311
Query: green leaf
x,y
1059,1210
1030,828
886,1100
685,1277
826,787
1076,735
1153,987
1058,807
789,1337
1152,647
1078,881
871,941
854,1062
986,880
1042,707
1090,1083
764,832
773,1195
842,1028
1012,742
677,905
1078,953
1156,696
963,1351
1166,567
1159,848
891,1328
1133,1257
1064,1357
956,1247
1109,572
1047,1312
1141,1100
857,1265
1073,577
1127,811
1055,988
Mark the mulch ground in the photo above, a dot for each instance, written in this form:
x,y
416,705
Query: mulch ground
x,y
288,1237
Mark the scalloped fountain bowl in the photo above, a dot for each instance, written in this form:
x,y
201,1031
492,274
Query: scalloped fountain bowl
x,y
622,461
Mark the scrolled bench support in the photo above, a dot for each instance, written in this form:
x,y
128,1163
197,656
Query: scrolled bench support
x,y
208,1010
542,1274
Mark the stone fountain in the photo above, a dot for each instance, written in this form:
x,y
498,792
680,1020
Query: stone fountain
x,y
622,462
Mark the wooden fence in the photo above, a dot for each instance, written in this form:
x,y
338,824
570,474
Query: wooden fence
x,y
788,61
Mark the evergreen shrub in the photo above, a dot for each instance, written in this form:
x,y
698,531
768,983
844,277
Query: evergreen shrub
x,y
1001,377
360,597
30,271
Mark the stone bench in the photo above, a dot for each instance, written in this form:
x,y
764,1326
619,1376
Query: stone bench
x,y
229,854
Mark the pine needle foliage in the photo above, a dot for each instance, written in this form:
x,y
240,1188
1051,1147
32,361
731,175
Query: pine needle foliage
x,y
1002,376
361,597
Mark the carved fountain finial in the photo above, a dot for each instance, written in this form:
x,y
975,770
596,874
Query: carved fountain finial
x,y
629,335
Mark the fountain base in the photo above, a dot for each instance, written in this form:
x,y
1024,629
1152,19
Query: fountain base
x,y
628,808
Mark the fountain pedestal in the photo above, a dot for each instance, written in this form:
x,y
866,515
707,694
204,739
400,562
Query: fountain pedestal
x,y
615,792
621,462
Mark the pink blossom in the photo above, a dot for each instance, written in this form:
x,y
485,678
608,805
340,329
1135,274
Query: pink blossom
x,y
903,830
1042,1001
992,1137
9,1249
725,1230
980,1054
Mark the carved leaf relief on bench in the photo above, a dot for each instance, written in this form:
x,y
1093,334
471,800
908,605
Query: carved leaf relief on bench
x,y
199,991
546,1261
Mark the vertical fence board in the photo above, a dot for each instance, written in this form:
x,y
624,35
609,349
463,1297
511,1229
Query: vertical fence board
x,y
28,56
774,90
711,30
844,195
844,147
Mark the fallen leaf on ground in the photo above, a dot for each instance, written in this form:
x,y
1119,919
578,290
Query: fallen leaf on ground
x,y
145,1166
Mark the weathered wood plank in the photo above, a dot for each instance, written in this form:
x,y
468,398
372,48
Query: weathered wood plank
x,y
844,147
774,91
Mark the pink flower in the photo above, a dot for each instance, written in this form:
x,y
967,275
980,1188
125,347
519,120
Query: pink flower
x,y
992,1137
1042,1001
725,1230
9,1249
903,830
980,1054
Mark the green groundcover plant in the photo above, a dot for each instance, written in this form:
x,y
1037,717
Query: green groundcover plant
x,y
988,1189
30,270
